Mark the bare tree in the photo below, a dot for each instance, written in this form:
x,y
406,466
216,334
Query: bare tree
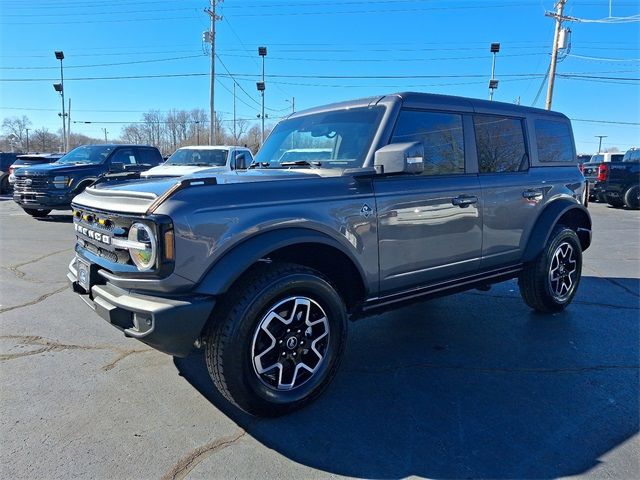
x,y
45,141
132,134
17,128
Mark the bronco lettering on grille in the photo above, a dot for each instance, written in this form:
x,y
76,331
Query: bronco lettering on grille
x,y
97,236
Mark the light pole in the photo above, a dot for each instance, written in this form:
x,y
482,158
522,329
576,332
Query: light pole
x,y
59,87
262,51
600,143
27,139
105,134
493,83
197,122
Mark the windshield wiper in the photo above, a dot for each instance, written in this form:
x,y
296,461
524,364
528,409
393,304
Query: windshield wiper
x,y
259,165
300,163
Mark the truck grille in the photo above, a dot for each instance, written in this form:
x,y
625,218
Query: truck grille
x,y
30,183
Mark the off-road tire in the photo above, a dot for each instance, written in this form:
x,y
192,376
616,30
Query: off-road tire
x,y
632,197
36,212
534,281
230,337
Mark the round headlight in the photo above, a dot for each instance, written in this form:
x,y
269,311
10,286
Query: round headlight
x,y
144,254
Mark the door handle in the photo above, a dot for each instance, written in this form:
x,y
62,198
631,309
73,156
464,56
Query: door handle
x,y
464,201
533,194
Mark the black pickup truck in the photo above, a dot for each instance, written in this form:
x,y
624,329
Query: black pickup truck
x,y
39,189
622,183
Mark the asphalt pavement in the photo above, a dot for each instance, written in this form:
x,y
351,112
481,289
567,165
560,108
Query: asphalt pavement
x,y
473,385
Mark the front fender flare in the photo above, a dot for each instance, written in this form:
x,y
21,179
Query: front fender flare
x,y
226,270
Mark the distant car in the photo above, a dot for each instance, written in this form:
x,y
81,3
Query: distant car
x,y
595,172
188,160
6,160
41,188
29,159
622,184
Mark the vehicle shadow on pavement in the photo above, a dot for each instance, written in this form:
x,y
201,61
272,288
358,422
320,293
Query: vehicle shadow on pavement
x,y
57,218
472,385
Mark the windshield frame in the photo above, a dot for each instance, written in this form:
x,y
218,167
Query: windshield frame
x,y
94,149
363,158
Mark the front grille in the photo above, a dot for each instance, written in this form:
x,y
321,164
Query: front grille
x,y
114,226
31,183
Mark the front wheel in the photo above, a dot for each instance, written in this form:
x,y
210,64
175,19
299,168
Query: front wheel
x,y
37,212
549,283
277,340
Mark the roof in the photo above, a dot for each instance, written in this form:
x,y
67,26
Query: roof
x,y
434,101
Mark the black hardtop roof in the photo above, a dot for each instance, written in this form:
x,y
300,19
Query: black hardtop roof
x,y
436,101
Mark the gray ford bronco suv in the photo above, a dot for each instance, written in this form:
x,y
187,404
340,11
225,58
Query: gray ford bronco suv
x,y
422,195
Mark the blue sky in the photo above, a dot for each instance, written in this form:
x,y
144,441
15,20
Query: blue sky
x,y
434,45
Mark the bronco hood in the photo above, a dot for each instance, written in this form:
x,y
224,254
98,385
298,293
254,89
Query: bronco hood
x,y
139,195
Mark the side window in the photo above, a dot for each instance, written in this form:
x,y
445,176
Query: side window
x,y
554,141
442,137
148,156
500,143
125,157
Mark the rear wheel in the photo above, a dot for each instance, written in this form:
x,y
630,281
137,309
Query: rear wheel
x,y
632,197
277,341
37,212
549,283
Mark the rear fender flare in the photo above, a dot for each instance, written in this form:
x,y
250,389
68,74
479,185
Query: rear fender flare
x,y
549,218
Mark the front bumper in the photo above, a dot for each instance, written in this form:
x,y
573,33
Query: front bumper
x,y
49,199
171,325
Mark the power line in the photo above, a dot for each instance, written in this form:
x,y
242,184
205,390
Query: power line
x,y
136,62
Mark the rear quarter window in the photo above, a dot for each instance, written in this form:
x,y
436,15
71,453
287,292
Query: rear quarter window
x,y
555,142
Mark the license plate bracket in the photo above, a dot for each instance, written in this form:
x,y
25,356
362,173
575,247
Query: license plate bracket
x,y
84,274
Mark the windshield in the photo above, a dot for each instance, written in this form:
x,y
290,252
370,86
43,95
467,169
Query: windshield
x,y
337,139
87,155
597,159
199,158
632,155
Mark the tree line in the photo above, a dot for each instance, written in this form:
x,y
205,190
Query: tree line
x,y
165,130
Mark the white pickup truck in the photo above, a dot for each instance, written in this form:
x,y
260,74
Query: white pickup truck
x,y
188,160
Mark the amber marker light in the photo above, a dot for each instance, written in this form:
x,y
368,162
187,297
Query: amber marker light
x,y
168,245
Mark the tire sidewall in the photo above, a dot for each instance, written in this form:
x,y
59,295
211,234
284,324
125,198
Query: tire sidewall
x,y
242,378
562,235
631,197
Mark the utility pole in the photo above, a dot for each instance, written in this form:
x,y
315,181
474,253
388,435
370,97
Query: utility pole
x,y
554,53
105,134
60,56
27,139
235,139
600,143
210,37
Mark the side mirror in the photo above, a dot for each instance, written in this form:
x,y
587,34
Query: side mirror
x,y
116,167
400,158
241,162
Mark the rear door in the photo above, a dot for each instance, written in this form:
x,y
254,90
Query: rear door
x,y
429,225
512,192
